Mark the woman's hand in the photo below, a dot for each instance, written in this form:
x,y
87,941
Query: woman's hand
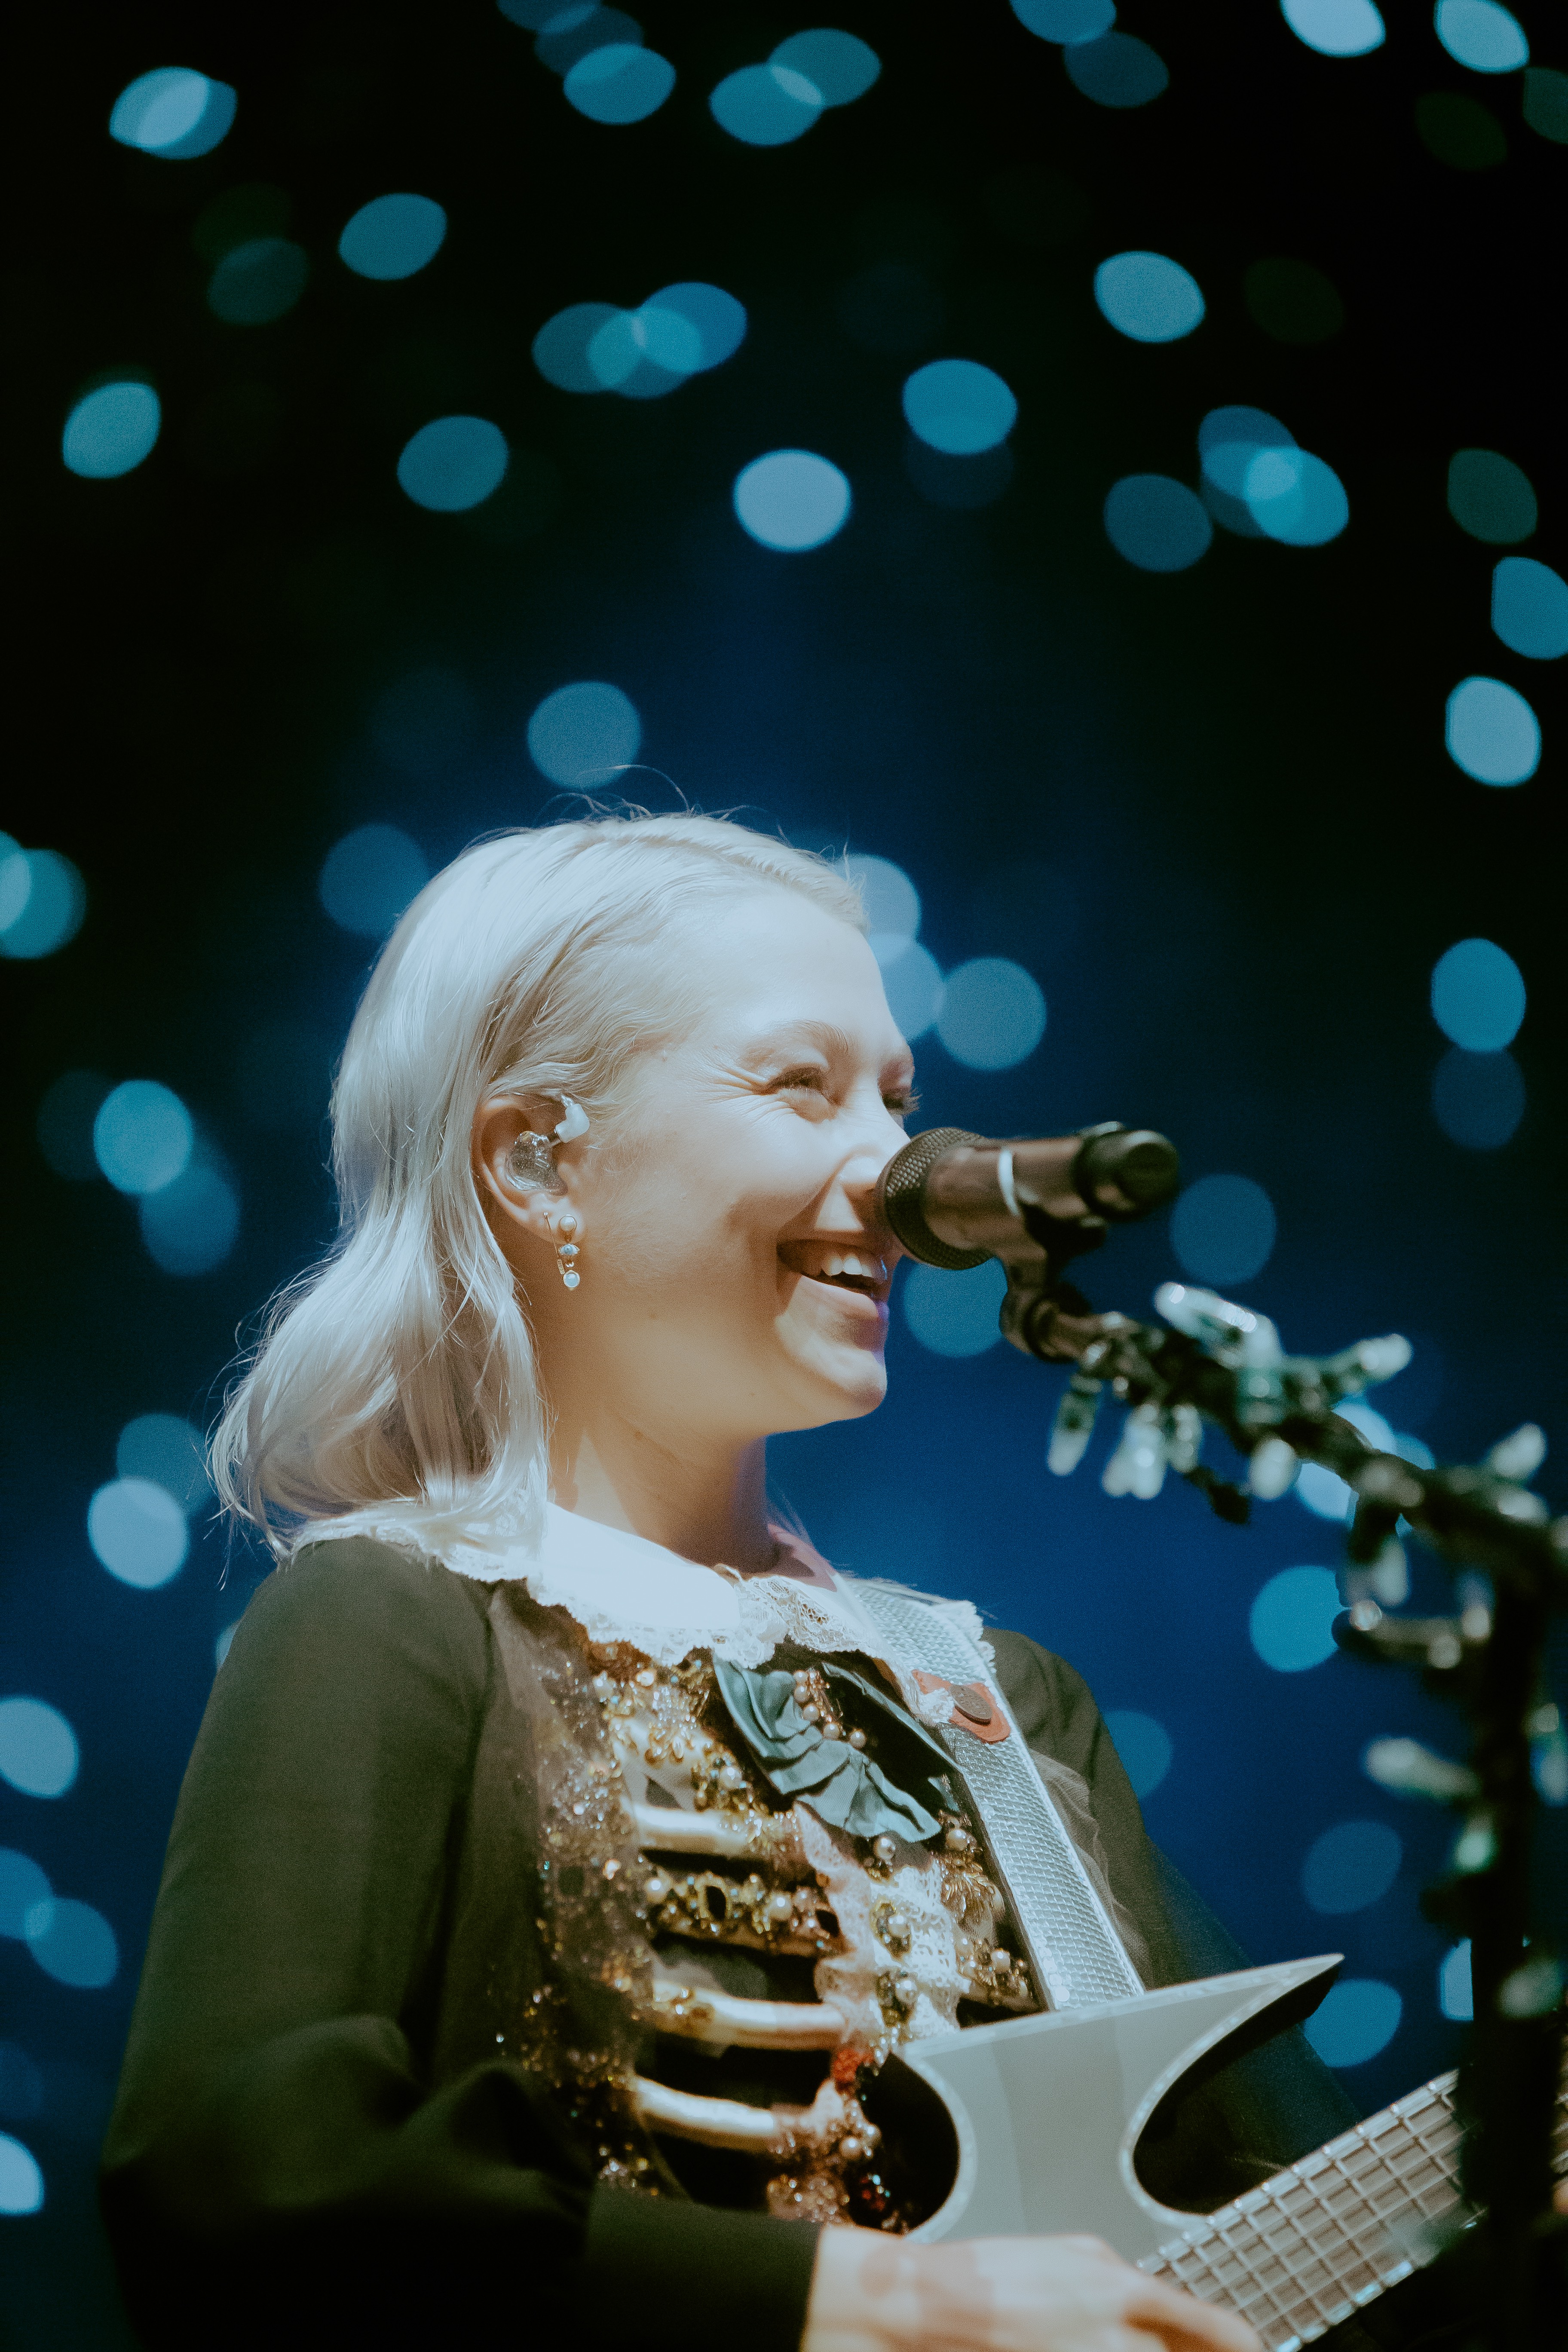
x,y
871,2294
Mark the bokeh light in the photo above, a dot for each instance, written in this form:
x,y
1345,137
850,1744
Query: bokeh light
x,y
571,31
1143,1745
1357,2018
1148,297
1455,1992
190,1227
1295,497
142,1136
1156,523
258,281
561,348
1290,1620
964,483
1293,301
111,430
912,979
393,237
1223,1229
138,1532
680,332
1478,1100
1350,1867
1546,102
369,876
1530,608
1229,439
43,901
1335,28
23,1887
169,1450
453,463
1116,69
38,1751
1491,497
892,903
1480,35
766,106
717,319
584,731
1491,732
1326,1496
1459,132
1478,996
73,1943
64,1125
621,83
840,66
992,1013
954,1314
173,112
1366,1419
958,407
21,2181
1066,20
792,499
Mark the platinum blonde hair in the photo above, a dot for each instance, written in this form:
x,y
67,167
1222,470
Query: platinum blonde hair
x,y
397,1379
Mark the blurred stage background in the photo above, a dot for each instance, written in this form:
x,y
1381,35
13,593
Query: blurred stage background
x,y
348,534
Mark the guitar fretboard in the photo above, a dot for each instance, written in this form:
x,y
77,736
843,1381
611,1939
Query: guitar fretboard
x,y
1312,2245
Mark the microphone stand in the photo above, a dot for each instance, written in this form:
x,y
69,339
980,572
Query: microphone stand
x,y
1222,1363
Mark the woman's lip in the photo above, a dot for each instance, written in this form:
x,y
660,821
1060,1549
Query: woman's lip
x,y
875,1301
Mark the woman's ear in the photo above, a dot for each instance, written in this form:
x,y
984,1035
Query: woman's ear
x,y
517,1163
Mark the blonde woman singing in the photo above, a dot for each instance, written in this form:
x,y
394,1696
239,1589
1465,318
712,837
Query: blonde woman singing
x,y
568,1852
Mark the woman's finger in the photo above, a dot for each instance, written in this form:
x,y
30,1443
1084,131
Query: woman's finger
x,y
1187,2325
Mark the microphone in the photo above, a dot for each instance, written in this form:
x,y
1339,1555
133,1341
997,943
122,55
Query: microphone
x,y
955,1199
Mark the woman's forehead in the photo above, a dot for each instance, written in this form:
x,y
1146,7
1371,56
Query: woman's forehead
x,y
776,972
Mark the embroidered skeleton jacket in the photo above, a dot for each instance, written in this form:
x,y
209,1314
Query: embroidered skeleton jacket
x,y
454,1955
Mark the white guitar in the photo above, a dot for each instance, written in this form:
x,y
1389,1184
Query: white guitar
x,y
1049,2111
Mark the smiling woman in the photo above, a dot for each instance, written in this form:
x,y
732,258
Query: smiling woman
x,y
561,1826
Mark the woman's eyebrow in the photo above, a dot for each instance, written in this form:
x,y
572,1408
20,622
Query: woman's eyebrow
x,y
835,1044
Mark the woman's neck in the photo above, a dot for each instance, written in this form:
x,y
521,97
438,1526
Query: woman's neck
x,y
708,1505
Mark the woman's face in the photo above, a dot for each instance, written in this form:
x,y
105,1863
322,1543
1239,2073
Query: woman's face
x,y
734,1278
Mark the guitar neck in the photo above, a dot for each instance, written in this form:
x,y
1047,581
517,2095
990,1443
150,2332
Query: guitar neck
x,y
1339,2229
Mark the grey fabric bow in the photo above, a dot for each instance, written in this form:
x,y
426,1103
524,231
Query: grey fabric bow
x,y
840,1783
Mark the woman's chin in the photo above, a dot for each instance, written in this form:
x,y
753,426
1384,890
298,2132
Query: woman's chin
x,y
845,1372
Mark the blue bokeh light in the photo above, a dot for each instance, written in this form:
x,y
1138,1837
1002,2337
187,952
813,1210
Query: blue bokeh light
x,y
584,731
958,406
190,1227
1482,36
766,106
1223,1229
111,430
173,112
1148,297
1478,1100
1295,497
892,903
718,321
1351,1866
956,1314
1115,70
23,1887
1358,2018
912,978
1326,1496
992,1013
258,281
1530,608
74,1944
1335,28
1143,1745
369,876
1491,497
43,901
1491,732
1291,1618
620,83
393,237
1545,105
1455,1992
169,1450
138,1532
561,345
792,499
840,66
1066,20
142,1136
21,2180
1156,523
574,31
1478,996
453,463
38,1751
1228,440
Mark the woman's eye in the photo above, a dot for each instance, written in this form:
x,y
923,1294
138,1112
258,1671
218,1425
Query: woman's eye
x,y
793,1080
903,1102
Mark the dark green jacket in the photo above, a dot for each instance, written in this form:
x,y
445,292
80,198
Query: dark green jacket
x,y
320,2137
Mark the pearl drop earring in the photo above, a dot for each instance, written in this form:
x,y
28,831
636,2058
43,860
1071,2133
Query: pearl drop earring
x,y
567,1252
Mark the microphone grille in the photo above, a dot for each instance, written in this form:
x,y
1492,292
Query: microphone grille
x,y
902,1185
